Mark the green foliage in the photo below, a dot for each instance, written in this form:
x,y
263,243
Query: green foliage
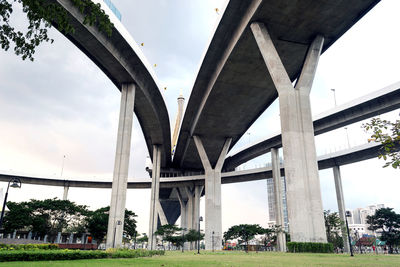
x,y
387,223
51,216
244,232
130,224
51,255
333,225
170,233
41,15
48,216
296,247
97,223
193,236
388,134
270,235
28,246
143,238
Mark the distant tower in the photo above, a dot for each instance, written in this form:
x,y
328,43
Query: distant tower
x,y
178,120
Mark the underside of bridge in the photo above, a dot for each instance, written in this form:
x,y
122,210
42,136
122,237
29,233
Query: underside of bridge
x,y
257,51
238,81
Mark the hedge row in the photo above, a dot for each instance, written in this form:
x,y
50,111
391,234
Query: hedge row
x,y
28,246
310,247
51,255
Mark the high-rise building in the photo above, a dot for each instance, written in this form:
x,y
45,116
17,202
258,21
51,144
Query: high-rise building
x,y
271,203
358,221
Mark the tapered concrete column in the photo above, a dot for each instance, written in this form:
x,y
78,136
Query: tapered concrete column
x,y
155,193
213,220
303,187
65,194
341,207
121,166
183,208
58,240
279,218
189,207
198,189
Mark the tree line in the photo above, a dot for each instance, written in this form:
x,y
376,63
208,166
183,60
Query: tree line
x,y
51,216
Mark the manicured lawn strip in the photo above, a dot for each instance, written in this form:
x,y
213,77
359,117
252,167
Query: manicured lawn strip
x,y
54,255
232,259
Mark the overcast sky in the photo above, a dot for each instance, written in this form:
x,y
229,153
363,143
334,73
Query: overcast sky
x,y
62,104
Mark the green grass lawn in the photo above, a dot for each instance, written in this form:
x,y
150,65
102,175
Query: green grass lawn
x,y
235,259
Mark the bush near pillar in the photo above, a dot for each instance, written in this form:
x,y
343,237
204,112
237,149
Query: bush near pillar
x,y
297,247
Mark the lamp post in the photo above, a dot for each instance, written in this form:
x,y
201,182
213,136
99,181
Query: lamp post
x,y
198,241
212,240
347,135
16,183
334,95
348,214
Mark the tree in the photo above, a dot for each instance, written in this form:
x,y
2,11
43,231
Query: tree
x,y
97,223
18,217
387,223
270,235
333,225
194,236
130,225
388,134
143,239
55,215
43,217
169,233
244,232
41,15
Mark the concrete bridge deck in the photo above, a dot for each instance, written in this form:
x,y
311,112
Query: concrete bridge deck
x,y
376,103
233,87
122,60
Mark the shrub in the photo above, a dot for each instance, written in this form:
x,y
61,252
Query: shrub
x,y
310,247
28,246
50,255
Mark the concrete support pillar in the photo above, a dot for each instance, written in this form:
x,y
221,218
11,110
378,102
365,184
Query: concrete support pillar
x,y
183,208
71,238
65,194
279,218
341,207
30,235
213,220
14,234
58,240
45,239
154,201
189,208
83,239
303,186
121,166
198,189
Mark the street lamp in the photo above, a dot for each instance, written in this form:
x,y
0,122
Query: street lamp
x,y
198,241
348,214
15,183
347,135
334,95
212,239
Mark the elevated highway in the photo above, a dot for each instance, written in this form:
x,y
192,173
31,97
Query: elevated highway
x,y
233,87
122,60
342,157
376,103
